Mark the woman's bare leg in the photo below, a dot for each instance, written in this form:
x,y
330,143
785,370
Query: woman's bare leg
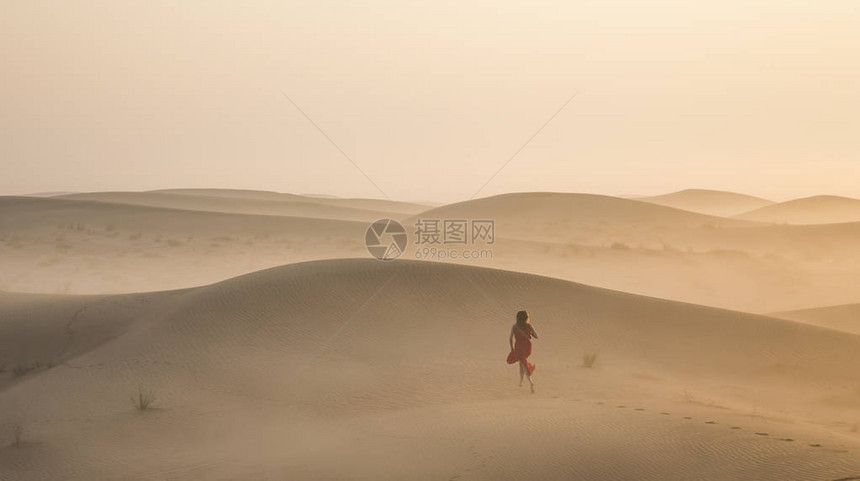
x,y
522,373
525,370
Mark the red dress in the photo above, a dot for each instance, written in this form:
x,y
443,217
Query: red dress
x,y
522,348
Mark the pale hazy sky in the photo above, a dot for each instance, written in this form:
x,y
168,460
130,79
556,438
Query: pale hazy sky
x,y
431,98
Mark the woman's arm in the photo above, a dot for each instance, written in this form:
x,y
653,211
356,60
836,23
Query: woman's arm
x,y
511,338
534,333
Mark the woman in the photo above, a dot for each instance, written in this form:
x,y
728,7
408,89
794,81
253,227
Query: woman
x,y
523,331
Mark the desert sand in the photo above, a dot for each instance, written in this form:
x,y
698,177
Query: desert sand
x,y
197,237
711,202
821,209
264,375
842,318
276,348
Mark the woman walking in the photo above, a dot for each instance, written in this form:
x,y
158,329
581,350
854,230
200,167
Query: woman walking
x,y
523,331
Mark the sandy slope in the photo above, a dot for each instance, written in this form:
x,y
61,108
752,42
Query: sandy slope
x,y
564,217
711,202
666,252
352,203
821,209
73,246
843,318
602,220
294,207
358,369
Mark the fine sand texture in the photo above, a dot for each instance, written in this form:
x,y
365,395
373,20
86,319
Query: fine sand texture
x,y
361,369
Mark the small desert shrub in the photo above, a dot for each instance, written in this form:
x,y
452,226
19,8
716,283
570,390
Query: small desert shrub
x,y
619,246
589,359
144,399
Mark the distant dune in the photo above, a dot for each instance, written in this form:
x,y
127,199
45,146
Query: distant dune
x,y
381,205
711,202
842,318
821,209
565,217
114,244
76,246
396,370
30,214
288,205
48,194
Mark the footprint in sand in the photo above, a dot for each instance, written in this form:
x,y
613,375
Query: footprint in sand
x,y
815,445
710,422
666,414
736,427
621,407
640,409
788,440
762,434
687,417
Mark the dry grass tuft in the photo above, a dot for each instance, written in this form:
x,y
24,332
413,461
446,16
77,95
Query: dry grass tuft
x,y
144,399
18,436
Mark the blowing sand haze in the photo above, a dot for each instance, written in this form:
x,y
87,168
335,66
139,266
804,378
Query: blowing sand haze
x,y
411,241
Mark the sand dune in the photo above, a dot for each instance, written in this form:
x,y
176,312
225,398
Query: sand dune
x,y
842,318
601,220
296,206
75,246
669,253
563,217
352,203
391,365
821,209
18,214
711,202
49,194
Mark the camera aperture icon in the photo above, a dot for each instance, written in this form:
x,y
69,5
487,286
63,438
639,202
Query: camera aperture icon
x,y
385,239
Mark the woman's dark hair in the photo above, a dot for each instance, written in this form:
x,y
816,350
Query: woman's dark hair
x,y
522,317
